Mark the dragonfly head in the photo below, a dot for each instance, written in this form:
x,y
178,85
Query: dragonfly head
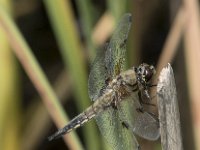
x,y
145,73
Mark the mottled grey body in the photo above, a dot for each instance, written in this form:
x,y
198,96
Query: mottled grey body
x,y
117,90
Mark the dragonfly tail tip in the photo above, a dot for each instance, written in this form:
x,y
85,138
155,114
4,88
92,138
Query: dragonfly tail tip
x,y
50,138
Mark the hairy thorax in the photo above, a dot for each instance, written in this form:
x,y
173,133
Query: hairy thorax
x,y
123,85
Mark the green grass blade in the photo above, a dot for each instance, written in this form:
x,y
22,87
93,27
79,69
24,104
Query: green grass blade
x,y
117,8
87,20
60,14
31,66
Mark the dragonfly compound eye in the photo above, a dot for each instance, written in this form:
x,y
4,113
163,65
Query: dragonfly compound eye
x,y
148,73
145,73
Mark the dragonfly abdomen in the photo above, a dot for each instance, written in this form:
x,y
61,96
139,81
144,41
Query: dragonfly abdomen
x,y
73,124
79,120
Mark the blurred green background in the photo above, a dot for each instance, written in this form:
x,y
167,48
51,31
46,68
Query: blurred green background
x,y
54,42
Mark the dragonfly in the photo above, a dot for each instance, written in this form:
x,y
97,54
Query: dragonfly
x,y
118,95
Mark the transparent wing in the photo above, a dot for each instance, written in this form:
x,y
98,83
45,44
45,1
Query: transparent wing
x,y
143,123
108,64
98,75
118,136
115,52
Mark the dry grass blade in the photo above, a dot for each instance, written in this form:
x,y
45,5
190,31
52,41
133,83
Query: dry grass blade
x,y
169,115
173,39
103,29
39,118
192,56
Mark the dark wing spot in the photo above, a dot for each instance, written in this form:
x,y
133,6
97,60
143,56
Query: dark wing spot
x,y
125,125
123,43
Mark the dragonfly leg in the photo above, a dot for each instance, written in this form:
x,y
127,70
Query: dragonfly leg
x,y
114,103
143,102
140,109
151,85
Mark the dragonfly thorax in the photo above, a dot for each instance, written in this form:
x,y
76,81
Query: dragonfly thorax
x,y
128,77
123,84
